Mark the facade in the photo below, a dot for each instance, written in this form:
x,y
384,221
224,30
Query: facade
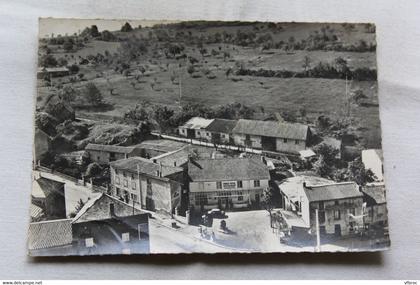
x,y
271,135
149,185
104,154
220,131
339,205
376,212
227,183
48,195
373,160
108,225
195,128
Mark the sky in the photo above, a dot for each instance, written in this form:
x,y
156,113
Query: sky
x,y
47,26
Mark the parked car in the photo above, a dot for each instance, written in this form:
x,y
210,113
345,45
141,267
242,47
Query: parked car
x,y
216,213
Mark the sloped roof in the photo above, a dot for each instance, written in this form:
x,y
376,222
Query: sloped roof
x,y
42,187
197,123
161,145
144,165
36,211
293,187
227,169
110,148
376,192
221,126
272,129
181,155
98,209
48,234
333,191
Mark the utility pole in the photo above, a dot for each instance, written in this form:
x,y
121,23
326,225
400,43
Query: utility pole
x,y
318,239
140,192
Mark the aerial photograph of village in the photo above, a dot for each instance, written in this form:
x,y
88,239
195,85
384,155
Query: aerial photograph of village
x,y
206,137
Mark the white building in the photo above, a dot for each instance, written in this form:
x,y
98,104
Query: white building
x,y
373,160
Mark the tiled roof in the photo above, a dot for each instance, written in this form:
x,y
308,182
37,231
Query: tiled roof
x,y
227,169
145,166
376,192
271,129
221,126
48,234
36,211
98,209
293,187
110,148
334,191
197,123
161,145
42,187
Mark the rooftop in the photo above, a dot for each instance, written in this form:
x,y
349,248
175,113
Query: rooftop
x,y
272,129
227,169
197,123
110,148
376,192
98,209
334,191
42,187
48,234
293,187
145,166
161,145
221,126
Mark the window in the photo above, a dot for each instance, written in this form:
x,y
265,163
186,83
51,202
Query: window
x,y
117,179
124,174
218,185
125,183
229,185
239,184
256,183
134,197
352,211
321,217
117,191
98,158
285,140
198,133
133,185
321,205
89,242
143,231
208,134
125,237
336,203
296,142
149,187
240,197
132,176
337,214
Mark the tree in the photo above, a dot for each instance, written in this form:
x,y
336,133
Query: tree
x,y
341,65
328,153
190,69
359,174
93,94
47,60
126,27
163,117
68,94
68,45
268,202
322,168
107,36
306,63
93,170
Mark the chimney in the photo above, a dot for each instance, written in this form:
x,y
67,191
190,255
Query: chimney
x,y
112,210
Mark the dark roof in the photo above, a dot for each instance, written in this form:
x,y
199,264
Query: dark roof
x,y
227,169
221,126
375,192
98,209
145,166
272,129
48,234
110,148
334,191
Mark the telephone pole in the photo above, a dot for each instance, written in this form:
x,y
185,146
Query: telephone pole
x,y
318,238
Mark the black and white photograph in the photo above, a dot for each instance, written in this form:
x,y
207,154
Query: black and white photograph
x,y
155,137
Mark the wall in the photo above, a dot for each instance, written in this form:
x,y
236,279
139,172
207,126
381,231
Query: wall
x,y
290,146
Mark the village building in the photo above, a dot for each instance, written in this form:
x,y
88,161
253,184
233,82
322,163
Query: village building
x,y
195,128
219,131
227,183
109,225
104,154
373,159
52,72
271,136
52,237
149,185
48,199
152,148
376,213
339,205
